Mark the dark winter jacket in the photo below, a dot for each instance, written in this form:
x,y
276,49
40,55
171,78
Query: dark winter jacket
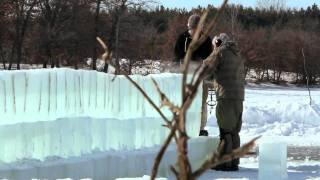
x,y
183,43
228,73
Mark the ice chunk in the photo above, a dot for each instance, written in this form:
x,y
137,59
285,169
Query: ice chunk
x,y
272,161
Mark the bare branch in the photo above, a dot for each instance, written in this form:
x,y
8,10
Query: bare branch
x,y
205,68
198,40
175,172
217,159
162,151
190,51
164,99
148,99
107,55
135,84
307,75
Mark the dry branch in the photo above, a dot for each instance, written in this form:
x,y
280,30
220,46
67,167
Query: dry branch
x,y
163,149
217,158
307,75
165,100
192,47
108,55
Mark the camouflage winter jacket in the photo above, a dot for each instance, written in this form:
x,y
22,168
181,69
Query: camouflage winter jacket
x,y
228,72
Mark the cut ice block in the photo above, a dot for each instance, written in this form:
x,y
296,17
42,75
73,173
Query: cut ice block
x,y
273,161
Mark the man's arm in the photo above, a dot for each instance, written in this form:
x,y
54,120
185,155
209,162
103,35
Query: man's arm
x,y
212,60
207,48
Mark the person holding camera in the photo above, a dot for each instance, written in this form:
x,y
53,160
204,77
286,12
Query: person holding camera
x,y
229,80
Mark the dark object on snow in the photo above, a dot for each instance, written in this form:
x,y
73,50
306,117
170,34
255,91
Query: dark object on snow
x,y
203,133
183,43
223,168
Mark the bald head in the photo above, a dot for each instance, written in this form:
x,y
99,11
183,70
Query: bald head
x,y
193,21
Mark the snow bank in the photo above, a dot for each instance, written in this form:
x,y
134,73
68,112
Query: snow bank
x,y
281,113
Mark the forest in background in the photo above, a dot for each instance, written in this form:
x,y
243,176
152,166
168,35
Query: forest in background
x,y
57,33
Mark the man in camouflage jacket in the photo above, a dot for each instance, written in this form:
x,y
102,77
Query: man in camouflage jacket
x,y
229,80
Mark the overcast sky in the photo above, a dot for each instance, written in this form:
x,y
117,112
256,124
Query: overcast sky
x,y
189,4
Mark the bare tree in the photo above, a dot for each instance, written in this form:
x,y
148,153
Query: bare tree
x,y
52,22
177,124
118,9
22,11
3,5
272,4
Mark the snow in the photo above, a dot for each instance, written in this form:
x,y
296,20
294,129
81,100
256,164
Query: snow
x,y
249,171
281,113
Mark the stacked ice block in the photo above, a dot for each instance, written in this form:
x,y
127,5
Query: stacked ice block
x,y
65,112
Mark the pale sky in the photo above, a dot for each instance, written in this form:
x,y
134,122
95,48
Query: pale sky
x,y
189,4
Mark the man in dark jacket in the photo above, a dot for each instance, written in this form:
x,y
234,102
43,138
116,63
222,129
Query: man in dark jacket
x,y
229,80
185,39
200,54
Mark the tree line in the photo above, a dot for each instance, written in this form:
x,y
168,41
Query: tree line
x,y
57,33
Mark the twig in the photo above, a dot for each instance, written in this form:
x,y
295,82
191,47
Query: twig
x,y
206,67
307,75
192,47
107,55
162,151
164,99
217,159
195,73
175,172
134,83
148,99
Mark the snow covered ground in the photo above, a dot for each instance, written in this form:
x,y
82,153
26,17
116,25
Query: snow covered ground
x,y
249,171
279,113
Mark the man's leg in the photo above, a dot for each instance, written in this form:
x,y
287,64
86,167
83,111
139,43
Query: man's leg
x,y
226,113
204,110
236,137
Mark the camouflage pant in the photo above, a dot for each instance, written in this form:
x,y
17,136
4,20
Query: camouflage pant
x,y
229,117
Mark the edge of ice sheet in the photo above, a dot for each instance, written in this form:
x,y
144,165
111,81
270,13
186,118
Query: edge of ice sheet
x,y
109,165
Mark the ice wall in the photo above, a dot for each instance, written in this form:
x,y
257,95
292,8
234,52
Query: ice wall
x,y
43,95
109,165
65,112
